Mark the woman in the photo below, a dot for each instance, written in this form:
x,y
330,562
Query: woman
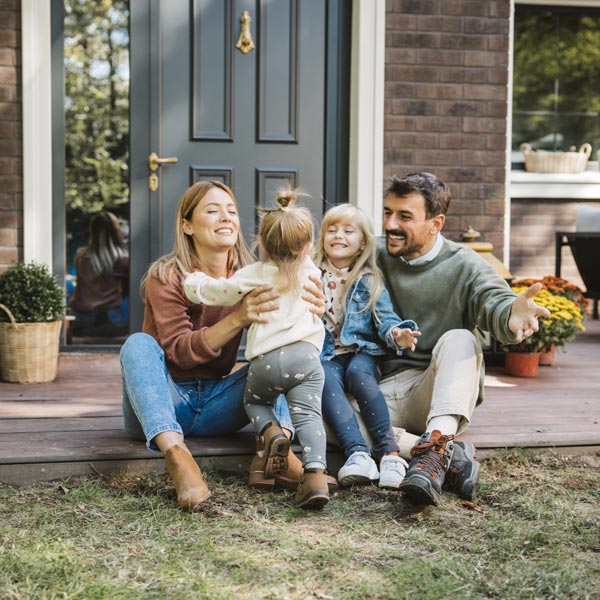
x,y
177,374
102,275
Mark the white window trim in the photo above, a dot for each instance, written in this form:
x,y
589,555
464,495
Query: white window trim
x,y
365,172
366,119
37,131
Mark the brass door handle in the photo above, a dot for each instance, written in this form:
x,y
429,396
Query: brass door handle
x,y
154,161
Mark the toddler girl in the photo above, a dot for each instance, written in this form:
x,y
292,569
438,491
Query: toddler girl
x,y
358,318
283,352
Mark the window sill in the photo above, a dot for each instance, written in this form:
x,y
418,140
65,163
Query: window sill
x,y
576,186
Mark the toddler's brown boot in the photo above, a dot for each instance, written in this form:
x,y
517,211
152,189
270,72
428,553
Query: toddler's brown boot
x,y
290,477
276,449
312,491
189,484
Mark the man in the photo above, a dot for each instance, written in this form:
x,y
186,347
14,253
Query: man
x,y
449,290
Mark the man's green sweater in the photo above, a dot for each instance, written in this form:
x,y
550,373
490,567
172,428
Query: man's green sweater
x,y
456,290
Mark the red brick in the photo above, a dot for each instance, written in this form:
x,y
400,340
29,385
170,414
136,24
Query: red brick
x,y
475,58
418,6
396,155
498,77
437,90
460,174
482,191
13,5
483,125
409,39
10,111
8,20
10,148
495,142
8,57
460,75
399,90
440,57
452,222
496,207
9,166
465,7
443,24
463,42
400,56
414,107
413,140
412,73
8,130
459,141
10,183
494,175
497,42
435,157
486,26
8,75
8,202
8,256
437,123
462,108
400,22
484,92
8,38
466,207
482,157
10,219
400,123
8,93
8,237
497,109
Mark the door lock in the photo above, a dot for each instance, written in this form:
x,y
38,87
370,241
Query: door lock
x,y
155,161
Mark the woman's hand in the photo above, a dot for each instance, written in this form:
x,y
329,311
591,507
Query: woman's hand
x,y
255,304
314,296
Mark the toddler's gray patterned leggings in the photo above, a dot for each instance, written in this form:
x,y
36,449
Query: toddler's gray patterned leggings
x,y
294,370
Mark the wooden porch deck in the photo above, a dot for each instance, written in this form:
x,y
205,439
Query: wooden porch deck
x,y
73,426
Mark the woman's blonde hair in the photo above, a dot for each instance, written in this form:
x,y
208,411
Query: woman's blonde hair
x,y
105,244
284,234
366,258
183,256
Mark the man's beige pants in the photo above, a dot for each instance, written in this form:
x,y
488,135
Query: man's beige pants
x,y
448,386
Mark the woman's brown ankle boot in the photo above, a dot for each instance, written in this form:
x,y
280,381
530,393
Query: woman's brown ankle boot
x,y
189,484
313,491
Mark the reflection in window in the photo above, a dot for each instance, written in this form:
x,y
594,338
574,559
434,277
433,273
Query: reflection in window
x,y
96,62
556,82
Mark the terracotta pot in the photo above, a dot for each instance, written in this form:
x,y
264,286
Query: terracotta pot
x,y
522,364
547,356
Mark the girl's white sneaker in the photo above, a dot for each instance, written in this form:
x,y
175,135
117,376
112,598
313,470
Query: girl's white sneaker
x,y
392,470
359,469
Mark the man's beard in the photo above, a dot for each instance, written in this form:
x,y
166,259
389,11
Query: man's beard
x,y
405,250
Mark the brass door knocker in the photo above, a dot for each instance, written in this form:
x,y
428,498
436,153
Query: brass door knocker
x,y
245,42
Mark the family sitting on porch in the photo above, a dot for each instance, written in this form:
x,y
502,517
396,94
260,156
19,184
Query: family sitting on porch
x,y
180,376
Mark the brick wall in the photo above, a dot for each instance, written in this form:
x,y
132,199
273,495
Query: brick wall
x,y
446,104
532,240
11,197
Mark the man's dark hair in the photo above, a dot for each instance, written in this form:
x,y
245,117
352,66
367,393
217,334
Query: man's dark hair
x,y
436,193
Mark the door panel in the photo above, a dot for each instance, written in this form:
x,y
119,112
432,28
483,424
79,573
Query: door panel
x,y
253,120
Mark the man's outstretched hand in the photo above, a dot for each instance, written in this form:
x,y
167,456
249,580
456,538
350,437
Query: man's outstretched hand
x,y
524,313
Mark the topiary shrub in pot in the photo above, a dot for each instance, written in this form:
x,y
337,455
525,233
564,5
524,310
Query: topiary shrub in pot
x,y
32,309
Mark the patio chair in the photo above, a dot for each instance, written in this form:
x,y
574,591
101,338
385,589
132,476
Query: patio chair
x,y
585,246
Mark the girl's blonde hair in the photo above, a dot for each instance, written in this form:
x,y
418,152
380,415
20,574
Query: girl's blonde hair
x,y
105,244
284,234
366,258
183,256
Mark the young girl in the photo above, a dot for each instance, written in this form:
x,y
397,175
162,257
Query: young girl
x,y
283,351
358,311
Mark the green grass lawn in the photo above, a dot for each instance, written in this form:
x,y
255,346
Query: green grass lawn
x,y
533,532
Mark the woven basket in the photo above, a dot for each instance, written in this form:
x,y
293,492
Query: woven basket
x,y
541,161
28,351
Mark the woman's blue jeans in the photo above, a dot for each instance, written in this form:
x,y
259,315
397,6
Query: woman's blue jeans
x,y
359,374
154,403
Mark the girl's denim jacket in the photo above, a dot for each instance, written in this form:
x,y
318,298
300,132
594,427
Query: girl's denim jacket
x,y
360,328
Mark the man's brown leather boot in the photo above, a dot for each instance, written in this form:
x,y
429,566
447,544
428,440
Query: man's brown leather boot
x,y
189,484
